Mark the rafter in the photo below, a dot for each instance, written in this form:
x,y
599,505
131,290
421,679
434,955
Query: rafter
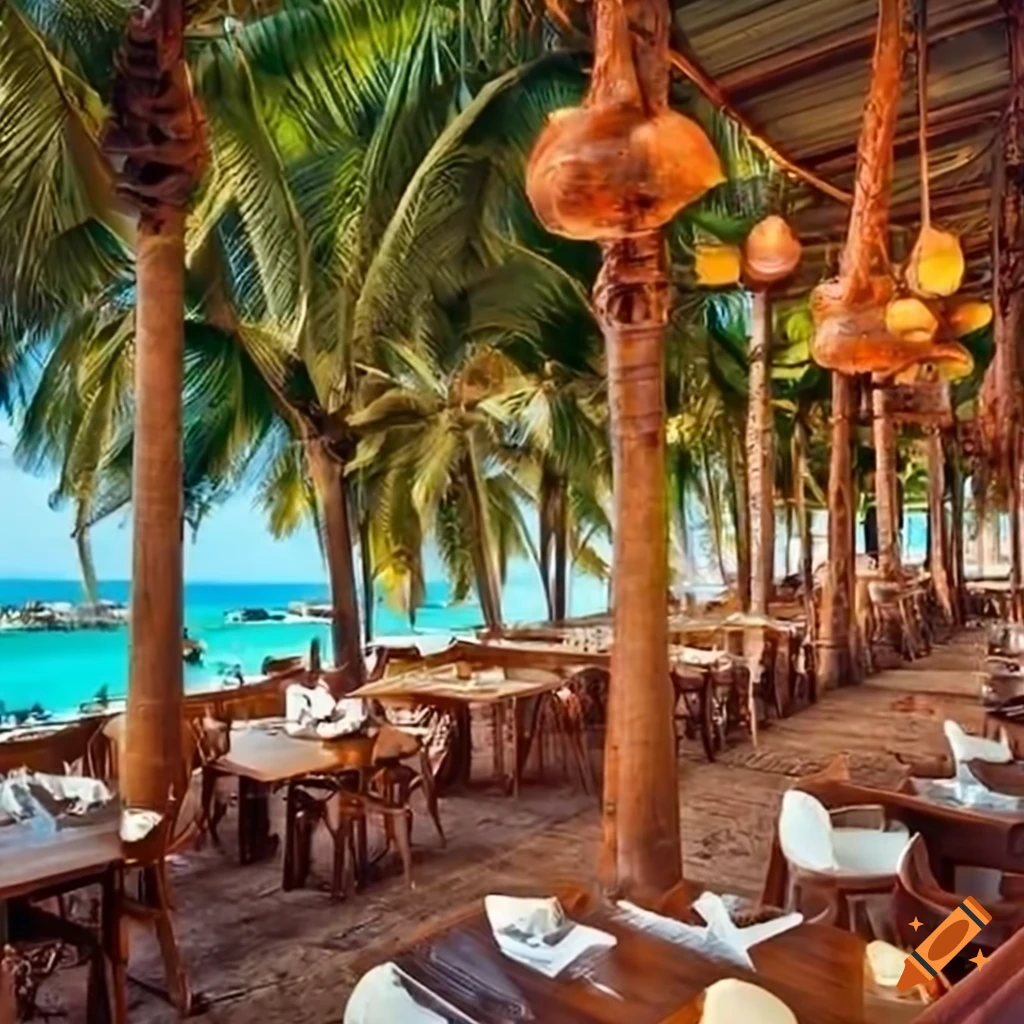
x,y
827,222
847,44
943,123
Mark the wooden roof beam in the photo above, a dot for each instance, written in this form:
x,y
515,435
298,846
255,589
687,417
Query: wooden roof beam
x,y
943,122
824,222
855,42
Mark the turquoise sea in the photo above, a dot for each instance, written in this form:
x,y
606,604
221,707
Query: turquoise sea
x,y
61,670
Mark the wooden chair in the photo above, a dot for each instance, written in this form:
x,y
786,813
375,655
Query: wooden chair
x,y
847,854
920,897
345,804
146,864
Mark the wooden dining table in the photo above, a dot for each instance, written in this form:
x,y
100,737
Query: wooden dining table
x,y
954,835
511,699
262,756
818,971
38,863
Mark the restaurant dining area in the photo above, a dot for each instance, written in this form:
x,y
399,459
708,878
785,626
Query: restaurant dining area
x,y
649,292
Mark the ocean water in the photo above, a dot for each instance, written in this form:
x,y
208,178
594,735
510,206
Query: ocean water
x,y
61,670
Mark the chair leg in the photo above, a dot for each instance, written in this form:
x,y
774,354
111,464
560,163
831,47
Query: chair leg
x,y
113,940
342,838
177,977
403,840
430,794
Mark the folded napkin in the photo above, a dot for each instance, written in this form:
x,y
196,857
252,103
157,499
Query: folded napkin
x,y
136,824
26,794
719,939
537,934
312,713
966,792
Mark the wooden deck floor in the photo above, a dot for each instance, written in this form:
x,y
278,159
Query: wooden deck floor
x,y
256,953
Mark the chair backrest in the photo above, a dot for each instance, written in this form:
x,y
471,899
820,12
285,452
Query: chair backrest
x,y
975,748
532,675
805,832
203,741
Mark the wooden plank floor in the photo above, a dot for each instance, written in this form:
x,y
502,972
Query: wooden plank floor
x,y
258,953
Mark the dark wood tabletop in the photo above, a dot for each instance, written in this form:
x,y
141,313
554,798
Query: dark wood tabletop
x,y
264,752
817,971
32,860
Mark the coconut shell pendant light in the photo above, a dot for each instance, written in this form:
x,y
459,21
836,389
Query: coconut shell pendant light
x,y
850,332
771,252
716,265
967,317
910,319
936,265
609,170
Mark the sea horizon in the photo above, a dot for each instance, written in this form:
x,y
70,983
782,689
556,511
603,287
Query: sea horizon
x,y
62,670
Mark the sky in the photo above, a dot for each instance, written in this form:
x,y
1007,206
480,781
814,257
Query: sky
x,y
233,544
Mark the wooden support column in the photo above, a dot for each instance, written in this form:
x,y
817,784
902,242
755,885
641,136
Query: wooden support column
x,y
885,593
865,256
641,843
837,666
761,457
800,471
884,432
938,564
1001,399
157,135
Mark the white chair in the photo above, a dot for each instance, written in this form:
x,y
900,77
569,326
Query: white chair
x,y
849,853
966,748
380,997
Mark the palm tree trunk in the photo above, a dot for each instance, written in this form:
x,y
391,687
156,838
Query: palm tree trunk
x,y
955,551
641,803
714,512
938,560
760,458
488,584
83,545
153,748
366,565
332,491
561,551
803,517
739,506
885,486
548,482
837,602
1015,529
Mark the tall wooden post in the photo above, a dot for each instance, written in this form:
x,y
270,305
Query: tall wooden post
x,y
938,564
884,431
800,471
1002,406
837,666
761,457
642,852
157,135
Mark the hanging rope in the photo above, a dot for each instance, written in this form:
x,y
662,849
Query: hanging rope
x,y
922,111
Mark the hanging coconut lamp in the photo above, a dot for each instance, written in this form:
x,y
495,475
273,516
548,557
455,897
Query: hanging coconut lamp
x,y
910,319
936,265
716,265
850,333
967,317
771,252
609,170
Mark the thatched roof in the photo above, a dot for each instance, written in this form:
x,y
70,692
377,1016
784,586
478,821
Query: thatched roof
x,y
796,72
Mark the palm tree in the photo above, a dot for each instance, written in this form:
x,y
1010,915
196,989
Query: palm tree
x,y
159,134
